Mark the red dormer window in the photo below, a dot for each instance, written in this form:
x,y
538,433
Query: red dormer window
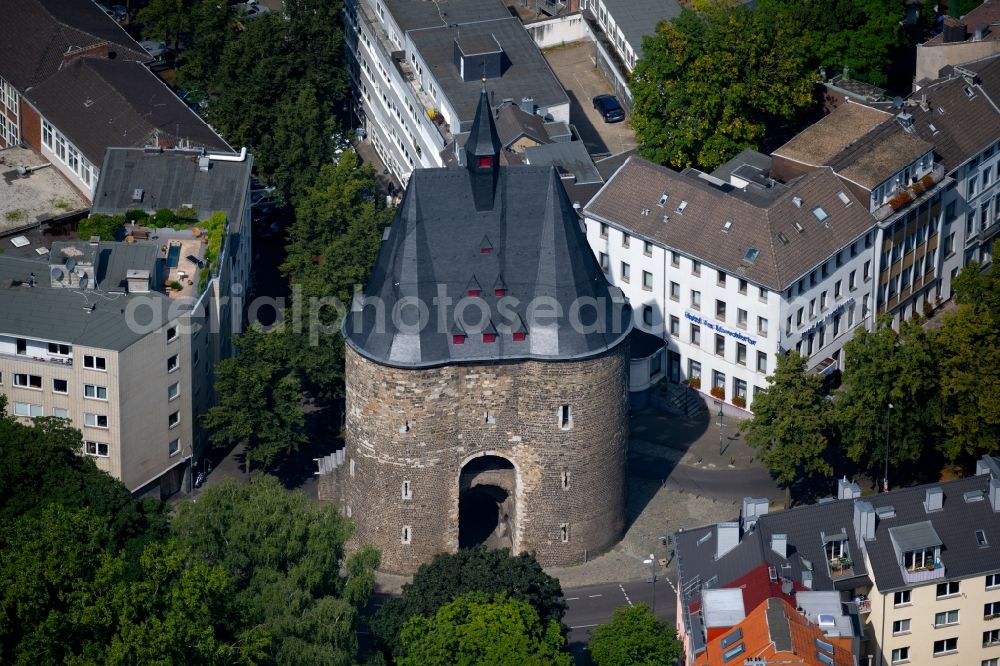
x,y
458,339
485,250
485,162
519,336
489,337
474,292
500,292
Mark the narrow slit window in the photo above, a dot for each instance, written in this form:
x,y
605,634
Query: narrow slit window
x,y
565,480
565,417
564,532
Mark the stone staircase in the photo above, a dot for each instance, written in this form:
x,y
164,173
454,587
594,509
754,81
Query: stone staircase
x,y
685,400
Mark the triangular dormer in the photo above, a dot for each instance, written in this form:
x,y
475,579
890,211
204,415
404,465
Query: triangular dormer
x,y
482,154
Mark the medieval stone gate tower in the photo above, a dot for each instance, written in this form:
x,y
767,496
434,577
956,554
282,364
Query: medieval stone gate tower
x,y
486,373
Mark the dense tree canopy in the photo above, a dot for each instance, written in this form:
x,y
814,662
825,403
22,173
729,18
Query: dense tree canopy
x,y
477,629
449,575
710,84
634,637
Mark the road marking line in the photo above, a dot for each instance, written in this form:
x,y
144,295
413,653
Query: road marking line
x,y
620,587
572,598
594,596
584,626
670,583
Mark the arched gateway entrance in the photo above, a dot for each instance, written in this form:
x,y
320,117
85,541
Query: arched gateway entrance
x,y
486,507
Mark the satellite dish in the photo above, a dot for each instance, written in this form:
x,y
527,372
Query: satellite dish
x,y
70,264
897,102
83,281
57,274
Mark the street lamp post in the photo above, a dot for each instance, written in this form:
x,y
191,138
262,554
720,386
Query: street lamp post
x,y
885,477
722,429
652,577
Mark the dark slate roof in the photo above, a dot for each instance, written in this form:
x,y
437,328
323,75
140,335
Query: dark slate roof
x,y
99,103
608,165
483,139
58,313
958,125
638,18
35,34
748,165
414,14
762,221
536,250
172,179
643,344
513,123
569,157
526,72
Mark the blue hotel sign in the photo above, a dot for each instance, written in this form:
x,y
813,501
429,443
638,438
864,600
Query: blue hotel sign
x,y
719,329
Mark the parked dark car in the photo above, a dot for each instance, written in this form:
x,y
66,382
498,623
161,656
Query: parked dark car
x,y
609,108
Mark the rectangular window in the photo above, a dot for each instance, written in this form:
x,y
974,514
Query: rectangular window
x,y
28,409
626,272
94,362
675,326
822,302
945,645
59,350
900,655
95,420
95,392
812,309
720,345
721,280
60,386
852,282
720,310
647,280
605,262
990,662
172,363
901,627
798,317
171,334
625,239
695,334
174,419
696,299
836,289
762,326
99,449
743,287
173,447
647,248
948,589
173,391
761,361
867,270
675,260
647,315
741,318
604,230
944,618
901,598
27,381
992,581
741,353
733,652
762,296
991,610
695,268
565,417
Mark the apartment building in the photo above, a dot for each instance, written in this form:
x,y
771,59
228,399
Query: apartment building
x,y
121,338
971,37
918,566
733,271
627,22
73,83
417,69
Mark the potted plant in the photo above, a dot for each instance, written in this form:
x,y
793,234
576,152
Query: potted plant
x,y
176,286
899,200
718,392
694,382
927,181
740,401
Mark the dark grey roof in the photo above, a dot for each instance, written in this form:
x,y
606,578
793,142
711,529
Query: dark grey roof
x,y
788,238
35,34
526,72
535,249
643,344
172,179
608,165
483,139
638,18
570,157
414,14
99,103
59,313
748,165
807,528
959,125
513,123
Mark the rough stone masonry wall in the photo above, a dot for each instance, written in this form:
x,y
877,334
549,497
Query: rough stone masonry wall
x,y
424,425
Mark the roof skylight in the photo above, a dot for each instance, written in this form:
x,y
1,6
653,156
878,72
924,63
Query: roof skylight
x,y
727,226
844,199
682,206
751,255
820,213
663,199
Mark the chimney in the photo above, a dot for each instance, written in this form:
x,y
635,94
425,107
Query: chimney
x,y
528,105
137,281
779,544
807,578
848,489
864,521
99,50
988,465
995,495
934,500
727,537
204,163
752,510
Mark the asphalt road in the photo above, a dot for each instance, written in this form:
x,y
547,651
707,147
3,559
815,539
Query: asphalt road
x,y
724,483
590,606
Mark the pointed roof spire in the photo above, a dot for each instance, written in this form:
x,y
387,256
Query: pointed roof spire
x,y
483,138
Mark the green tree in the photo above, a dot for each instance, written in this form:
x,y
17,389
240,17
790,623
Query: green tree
x,y
448,575
970,366
259,400
167,20
791,424
634,637
475,629
881,368
712,83
283,556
